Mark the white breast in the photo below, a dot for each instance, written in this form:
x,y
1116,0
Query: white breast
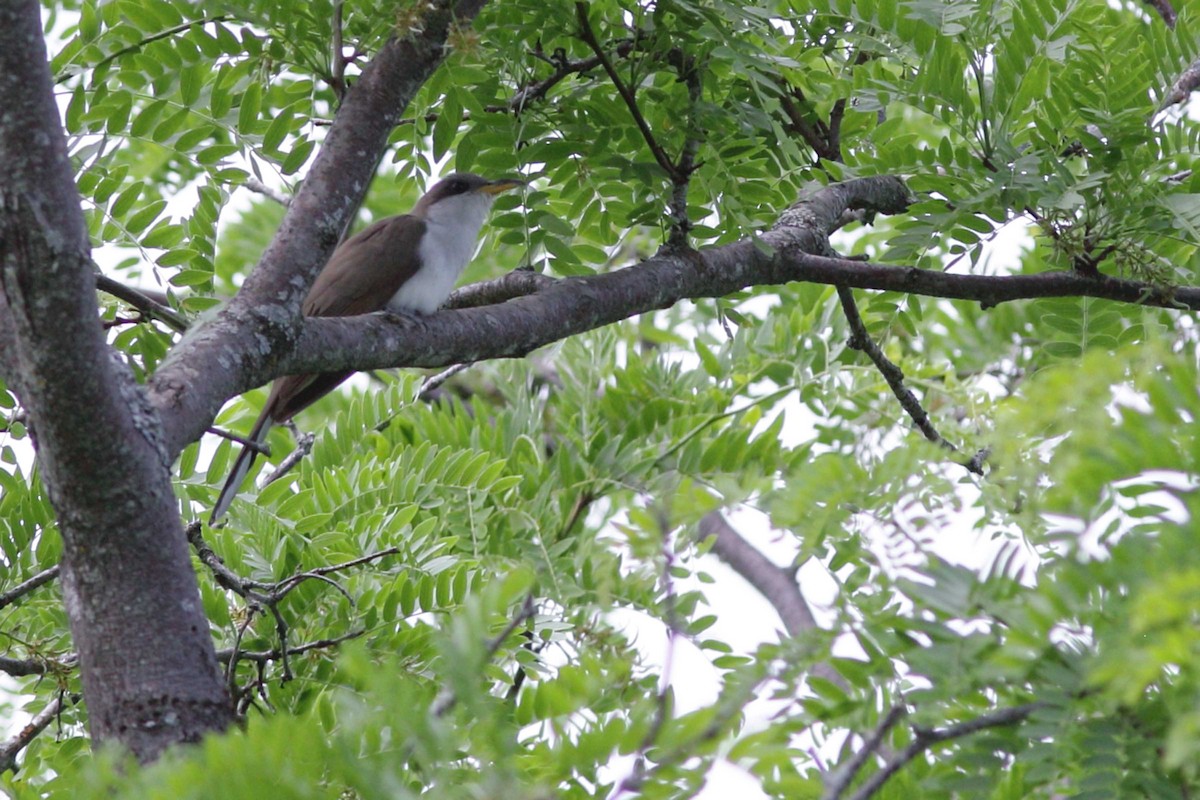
x,y
451,233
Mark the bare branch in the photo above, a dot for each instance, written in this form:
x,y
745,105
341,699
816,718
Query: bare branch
x,y
861,340
518,283
925,739
1183,86
10,749
304,444
19,667
589,37
258,187
264,656
776,584
337,59
838,781
689,73
258,447
27,586
142,302
1165,10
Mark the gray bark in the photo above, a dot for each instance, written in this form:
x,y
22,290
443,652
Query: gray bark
x,y
148,665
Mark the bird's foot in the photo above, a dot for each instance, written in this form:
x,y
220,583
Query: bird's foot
x,y
403,316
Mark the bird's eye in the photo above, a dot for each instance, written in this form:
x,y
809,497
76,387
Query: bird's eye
x,y
457,186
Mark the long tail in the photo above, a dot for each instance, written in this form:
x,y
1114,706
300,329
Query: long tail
x,y
245,460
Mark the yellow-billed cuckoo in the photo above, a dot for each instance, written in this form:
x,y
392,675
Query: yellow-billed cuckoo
x,y
406,263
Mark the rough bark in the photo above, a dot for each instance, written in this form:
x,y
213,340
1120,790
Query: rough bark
x,y
148,666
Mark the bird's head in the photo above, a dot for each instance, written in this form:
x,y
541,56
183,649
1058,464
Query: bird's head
x,y
461,198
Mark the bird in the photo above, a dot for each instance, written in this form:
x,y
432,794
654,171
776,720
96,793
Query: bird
x,y
404,264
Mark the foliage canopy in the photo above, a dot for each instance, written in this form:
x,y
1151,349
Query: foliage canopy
x,y
579,477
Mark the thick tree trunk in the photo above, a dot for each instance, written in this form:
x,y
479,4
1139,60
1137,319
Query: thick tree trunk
x,y
148,665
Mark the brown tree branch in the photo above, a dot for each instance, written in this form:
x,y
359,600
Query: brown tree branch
x,y
258,187
127,579
861,340
796,249
265,656
518,283
839,780
20,667
777,584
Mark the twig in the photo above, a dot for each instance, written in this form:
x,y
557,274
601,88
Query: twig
x,y
231,666
138,45
259,447
517,283
563,68
304,444
27,586
838,781
924,739
142,302
287,584
337,62
434,382
264,656
10,749
861,340
257,186
816,134
267,596
448,699
634,781
589,37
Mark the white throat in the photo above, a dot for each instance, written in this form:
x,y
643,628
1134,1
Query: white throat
x,y
452,228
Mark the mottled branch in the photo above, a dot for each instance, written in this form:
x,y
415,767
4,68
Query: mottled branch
x,y
25,587
861,340
143,302
1165,10
11,748
923,739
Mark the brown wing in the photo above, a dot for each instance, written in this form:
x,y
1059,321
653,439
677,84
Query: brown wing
x,y
367,269
361,276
